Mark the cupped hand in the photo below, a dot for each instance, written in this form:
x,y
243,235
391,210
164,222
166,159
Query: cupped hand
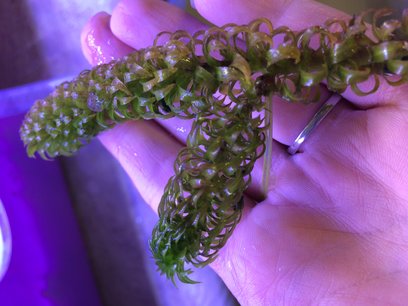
x,y
334,227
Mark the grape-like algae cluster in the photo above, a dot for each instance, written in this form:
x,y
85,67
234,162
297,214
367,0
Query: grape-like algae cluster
x,y
219,78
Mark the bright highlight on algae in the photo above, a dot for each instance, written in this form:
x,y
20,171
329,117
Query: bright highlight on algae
x,y
221,79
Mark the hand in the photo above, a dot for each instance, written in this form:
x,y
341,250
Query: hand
x,y
333,229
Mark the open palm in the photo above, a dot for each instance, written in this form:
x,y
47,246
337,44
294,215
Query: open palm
x,y
333,229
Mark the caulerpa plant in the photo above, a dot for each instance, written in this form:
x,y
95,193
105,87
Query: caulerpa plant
x,y
220,79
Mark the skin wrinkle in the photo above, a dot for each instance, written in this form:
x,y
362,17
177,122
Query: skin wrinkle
x,y
287,274
359,288
362,162
280,279
231,264
379,248
358,291
334,251
125,154
294,292
394,248
290,296
262,292
243,262
320,263
329,288
396,145
380,195
325,196
293,198
368,165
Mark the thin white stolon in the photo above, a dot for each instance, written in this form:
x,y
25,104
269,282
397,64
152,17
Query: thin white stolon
x,y
268,145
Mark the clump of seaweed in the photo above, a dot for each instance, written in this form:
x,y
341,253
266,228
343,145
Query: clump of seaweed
x,y
220,78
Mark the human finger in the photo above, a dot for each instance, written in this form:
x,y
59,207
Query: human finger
x,y
98,43
144,149
147,153
137,23
297,14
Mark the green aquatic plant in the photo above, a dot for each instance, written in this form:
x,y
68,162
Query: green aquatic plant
x,y
222,79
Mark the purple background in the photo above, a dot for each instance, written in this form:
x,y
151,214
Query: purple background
x,y
48,265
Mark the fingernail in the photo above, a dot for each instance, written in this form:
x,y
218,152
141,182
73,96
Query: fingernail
x,y
101,44
98,37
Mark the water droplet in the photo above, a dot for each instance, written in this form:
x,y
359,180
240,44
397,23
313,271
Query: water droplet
x,y
118,149
36,127
181,129
229,265
75,111
95,103
54,106
66,119
116,85
95,48
108,74
50,129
